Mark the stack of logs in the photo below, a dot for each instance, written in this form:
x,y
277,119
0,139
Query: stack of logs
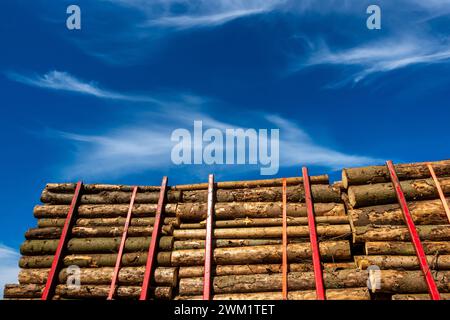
x,y
381,236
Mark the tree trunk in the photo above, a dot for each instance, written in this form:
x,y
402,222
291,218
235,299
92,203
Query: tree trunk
x,y
406,248
380,174
332,294
329,250
384,193
224,270
438,262
422,212
103,276
266,222
96,188
419,296
233,210
264,232
102,210
40,247
224,243
400,233
94,232
110,222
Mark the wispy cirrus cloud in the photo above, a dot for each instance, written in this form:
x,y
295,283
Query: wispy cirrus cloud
x,y
9,268
64,81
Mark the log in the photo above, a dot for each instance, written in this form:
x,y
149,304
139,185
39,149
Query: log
x,y
84,291
419,296
400,233
405,248
332,294
40,247
96,188
384,193
438,262
323,231
88,232
112,197
267,222
223,270
224,243
391,281
321,193
103,276
233,210
380,174
102,210
110,222
422,212
329,250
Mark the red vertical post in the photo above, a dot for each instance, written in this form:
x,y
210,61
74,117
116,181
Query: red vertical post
x,y
53,275
284,265
112,288
208,243
318,274
151,255
432,288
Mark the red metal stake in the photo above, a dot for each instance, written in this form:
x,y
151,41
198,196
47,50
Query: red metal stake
x,y
153,242
112,289
57,260
208,244
432,288
285,254
439,189
318,274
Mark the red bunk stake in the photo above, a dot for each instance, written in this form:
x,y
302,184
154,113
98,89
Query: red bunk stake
x,y
151,255
112,289
284,249
318,274
208,243
57,260
439,189
432,288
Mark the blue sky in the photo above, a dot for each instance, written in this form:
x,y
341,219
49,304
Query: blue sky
x,y
99,104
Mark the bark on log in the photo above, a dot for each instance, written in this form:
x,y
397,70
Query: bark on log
x,y
105,197
438,262
84,292
380,174
422,212
224,243
100,276
391,281
96,188
406,248
102,210
93,232
400,233
332,231
384,193
233,210
419,296
329,250
40,247
266,222
332,294
223,270
110,222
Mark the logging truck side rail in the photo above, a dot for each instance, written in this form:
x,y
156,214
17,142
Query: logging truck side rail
x,y
208,242
431,284
439,189
318,274
284,235
115,276
53,275
151,255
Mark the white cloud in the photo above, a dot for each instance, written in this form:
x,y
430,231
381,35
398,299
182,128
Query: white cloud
x,y
63,81
9,269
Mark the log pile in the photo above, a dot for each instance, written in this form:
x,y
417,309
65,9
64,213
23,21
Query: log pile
x,y
380,235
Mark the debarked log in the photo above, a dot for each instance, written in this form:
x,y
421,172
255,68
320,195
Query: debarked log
x,y
384,193
331,294
406,248
331,231
437,262
400,233
101,231
99,276
40,247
